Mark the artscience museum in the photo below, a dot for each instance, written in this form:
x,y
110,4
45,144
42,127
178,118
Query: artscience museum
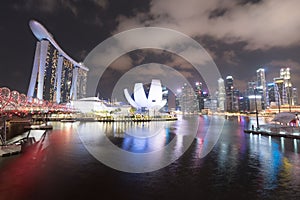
x,y
152,102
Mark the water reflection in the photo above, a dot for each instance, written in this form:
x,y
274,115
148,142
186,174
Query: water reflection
x,y
137,137
138,147
269,157
240,165
132,137
277,158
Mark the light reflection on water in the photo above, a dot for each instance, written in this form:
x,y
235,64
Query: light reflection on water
x,y
132,151
239,166
139,137
269,158
275,160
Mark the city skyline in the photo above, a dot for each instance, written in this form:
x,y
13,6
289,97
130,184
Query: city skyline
x,y
55,78
237,53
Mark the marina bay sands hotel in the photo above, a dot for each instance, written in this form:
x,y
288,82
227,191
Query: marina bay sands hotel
x,y
55,76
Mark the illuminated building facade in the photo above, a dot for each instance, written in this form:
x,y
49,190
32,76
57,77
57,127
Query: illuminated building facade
x,y
177,100
95,105
221,95
236,99
255,101
165,96
251,87
81,83
229,93
243,103
285,93
286,75
295,96
55,76
67,82
271,88
232,96
280,92
188,100
262,86
199,94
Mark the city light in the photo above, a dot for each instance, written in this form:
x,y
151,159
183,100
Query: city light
x,y
254,96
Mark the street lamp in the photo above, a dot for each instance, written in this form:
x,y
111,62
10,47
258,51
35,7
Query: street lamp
x,y
278,103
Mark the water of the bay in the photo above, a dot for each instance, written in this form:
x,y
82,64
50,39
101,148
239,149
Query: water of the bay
x,y
240,166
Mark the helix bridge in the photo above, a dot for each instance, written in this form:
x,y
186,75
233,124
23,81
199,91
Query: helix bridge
x,y
13,103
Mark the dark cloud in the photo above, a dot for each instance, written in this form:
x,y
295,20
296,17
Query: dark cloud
x,y
243,2
51,6
230,57
218,12
261,24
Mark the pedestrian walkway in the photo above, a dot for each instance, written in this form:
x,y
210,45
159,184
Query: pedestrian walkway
x,y
9,150
276,130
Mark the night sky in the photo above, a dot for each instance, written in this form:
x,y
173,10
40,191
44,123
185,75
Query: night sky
x,y
240,35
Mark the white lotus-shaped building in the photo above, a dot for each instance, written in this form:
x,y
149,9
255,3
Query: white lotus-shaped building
x,y
154,100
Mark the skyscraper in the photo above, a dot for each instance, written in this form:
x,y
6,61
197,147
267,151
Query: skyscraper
x,y
255,103
280,92
54,75
229,93
271,91
295,96
81,82
199,94
188,100
287,84
221,95
236,99
243,103
251,87
261,86
165,96
177,100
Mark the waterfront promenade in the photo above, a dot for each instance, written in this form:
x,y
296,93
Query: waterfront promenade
x,y
276,130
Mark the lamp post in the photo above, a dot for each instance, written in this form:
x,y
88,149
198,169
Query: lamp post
x,y
278,98
257,124
278,104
